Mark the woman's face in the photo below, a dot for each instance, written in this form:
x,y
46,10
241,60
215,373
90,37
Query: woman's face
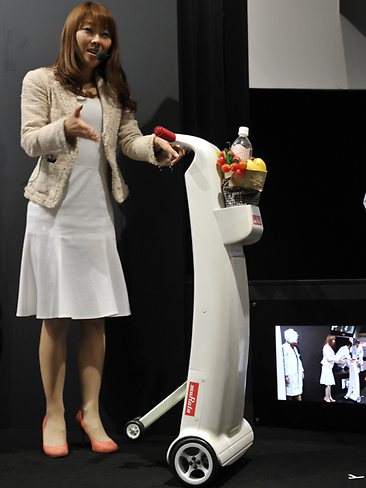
x,y
91,39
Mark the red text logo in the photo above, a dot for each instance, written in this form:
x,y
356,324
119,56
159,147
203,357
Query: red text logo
x,y
257,220
191,399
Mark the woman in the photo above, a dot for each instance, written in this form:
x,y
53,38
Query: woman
x,y
329,358
73,116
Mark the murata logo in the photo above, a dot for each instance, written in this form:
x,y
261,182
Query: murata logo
x,y
191,399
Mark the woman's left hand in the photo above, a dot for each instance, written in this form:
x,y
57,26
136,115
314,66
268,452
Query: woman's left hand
x,y
175,152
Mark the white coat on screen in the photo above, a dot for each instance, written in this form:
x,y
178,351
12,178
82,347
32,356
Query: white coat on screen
x,y
354,362
294,370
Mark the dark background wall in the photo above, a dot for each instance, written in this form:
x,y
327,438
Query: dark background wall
x,y
309,267
312,206
29,34
147,353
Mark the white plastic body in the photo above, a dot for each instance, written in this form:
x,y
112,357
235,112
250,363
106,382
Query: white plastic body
x,y
215,393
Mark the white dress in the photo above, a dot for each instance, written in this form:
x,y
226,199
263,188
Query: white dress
x,y
70,264
329,358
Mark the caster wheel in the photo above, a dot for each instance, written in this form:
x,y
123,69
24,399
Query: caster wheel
x,y
358,400
134,429
194,461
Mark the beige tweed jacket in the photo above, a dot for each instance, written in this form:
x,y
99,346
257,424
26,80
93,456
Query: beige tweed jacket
x,y
45,105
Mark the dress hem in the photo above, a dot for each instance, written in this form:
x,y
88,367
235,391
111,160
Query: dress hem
x,y
75,318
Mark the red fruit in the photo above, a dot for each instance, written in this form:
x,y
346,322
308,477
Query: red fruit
x,y
221,160
243,165
239,172
235,166
226,167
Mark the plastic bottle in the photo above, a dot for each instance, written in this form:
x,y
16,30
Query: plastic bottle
x,y
242,146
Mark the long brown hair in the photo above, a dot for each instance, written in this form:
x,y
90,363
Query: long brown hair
x,y
68,64
329,340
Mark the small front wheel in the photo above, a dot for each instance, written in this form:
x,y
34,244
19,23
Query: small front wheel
x,y
134,429
194,461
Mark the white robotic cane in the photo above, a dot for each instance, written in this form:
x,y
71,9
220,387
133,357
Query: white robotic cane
x,y
213,432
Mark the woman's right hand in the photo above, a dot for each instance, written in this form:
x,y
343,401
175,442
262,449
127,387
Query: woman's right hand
x,y
75,126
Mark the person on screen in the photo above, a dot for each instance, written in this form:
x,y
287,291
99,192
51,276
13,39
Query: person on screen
x,y
328,361
354,361
294,371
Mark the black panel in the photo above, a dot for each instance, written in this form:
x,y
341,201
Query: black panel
x,y
355,12
312,204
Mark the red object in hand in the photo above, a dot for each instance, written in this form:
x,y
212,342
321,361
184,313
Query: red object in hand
x,y
166,134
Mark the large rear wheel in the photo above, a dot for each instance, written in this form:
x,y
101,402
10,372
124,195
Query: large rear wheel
x,y
194,461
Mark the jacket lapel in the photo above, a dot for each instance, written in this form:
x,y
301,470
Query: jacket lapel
x,y
110,111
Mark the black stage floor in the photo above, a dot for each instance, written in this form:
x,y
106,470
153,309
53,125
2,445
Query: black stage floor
x,y
278,458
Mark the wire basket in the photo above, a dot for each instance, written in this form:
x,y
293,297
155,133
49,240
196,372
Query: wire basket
x,y
238,195
243,190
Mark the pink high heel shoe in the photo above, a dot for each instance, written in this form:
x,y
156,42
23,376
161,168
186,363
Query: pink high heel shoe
x,y
53,451
97,446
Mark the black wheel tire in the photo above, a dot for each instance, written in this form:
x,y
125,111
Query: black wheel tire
x,y
194,461
134,429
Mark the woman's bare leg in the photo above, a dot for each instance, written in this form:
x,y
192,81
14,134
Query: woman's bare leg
x,y
91,361
52,358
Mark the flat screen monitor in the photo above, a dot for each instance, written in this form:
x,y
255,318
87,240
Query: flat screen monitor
x,y
306,367
306,405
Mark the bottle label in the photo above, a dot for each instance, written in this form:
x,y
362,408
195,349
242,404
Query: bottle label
x,y
242,152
